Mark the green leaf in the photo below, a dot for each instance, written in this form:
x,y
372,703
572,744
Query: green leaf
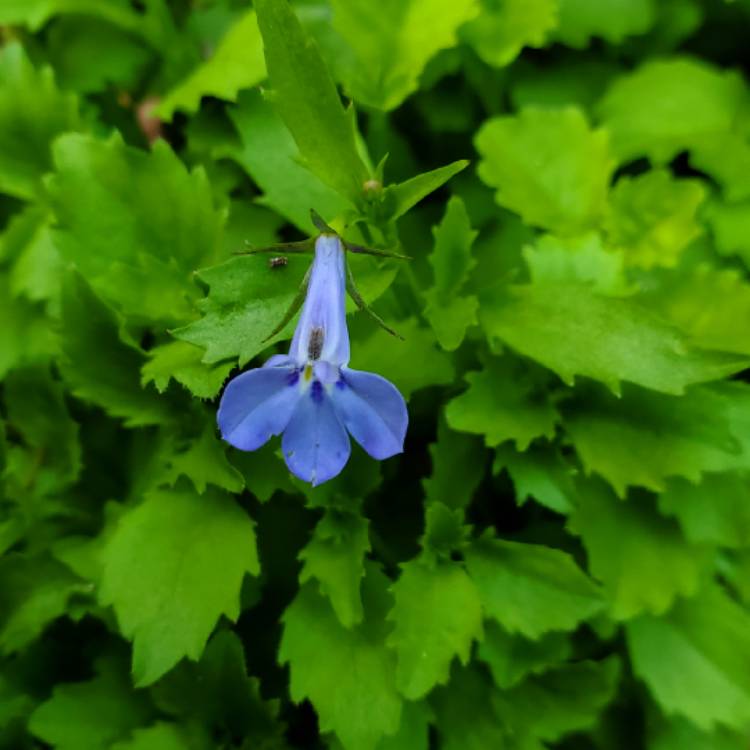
x,y
219,693
511,658
401,197
458,463
652,217
681,734
716,511
729,223
236,64
35,13
151,221
174,566
74,41
34,591
335,558
161,736
263,471
27,335
709,637
584,259
466,719
641,558
667,106
205,462
563,700
502,404
707,303
348,675
531,589
45,456
33,112
505,27
416,362
579,20
391,44
624,340
307,100
436,617
91,714
98,365
726,157
642,439
247,299
548,166
541,473
181,361
270,156
449,313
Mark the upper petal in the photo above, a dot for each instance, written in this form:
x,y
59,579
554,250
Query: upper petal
x,y
373,411
256,405
315,444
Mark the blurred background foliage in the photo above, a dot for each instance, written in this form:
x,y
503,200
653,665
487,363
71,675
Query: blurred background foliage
x,y
560,558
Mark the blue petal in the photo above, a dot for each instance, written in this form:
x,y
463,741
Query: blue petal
x,y
256,405
315,444
373,411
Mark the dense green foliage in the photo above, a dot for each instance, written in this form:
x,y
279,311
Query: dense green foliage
x,y
561,556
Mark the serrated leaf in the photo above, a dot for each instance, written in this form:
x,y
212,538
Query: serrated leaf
x,y
270,156
716,511
464,713
448,312
151,221
162,736
90,714
335,558
306,98
173,566
667,106
502,406
45,456
422,363
711,305
247,299
236,64
34,591
436,616
392,42
582,259
33,112
643,438
547,165
181,361
641,558
624,340
652,217
729,224
540,473
511,658
563,700
98,365
682,734
531,589
579,20
218,692
348,675
26,336
458,463
504,27
205,462
709,637
726,157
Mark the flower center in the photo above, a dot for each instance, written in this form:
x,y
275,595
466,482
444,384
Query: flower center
x,y
315,344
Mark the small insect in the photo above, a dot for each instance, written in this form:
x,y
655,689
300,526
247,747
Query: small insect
x,y
315,344
278,261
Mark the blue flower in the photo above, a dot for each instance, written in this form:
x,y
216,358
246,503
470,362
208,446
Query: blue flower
x,y
311,395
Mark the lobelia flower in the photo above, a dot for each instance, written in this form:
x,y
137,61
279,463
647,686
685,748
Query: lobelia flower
x,y
311,395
